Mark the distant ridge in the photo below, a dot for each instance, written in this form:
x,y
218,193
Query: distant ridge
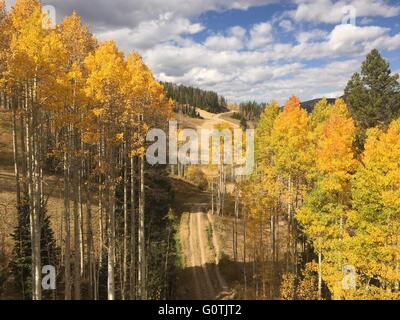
x,y
309,105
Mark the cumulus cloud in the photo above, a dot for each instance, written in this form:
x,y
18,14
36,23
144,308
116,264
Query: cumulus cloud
x,y
275,70
312,35
149,33
119,14
244,63
286,25
260,35
332,12
233,41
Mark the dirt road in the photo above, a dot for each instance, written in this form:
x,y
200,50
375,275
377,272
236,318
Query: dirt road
x,y
211,120
200,242
202,258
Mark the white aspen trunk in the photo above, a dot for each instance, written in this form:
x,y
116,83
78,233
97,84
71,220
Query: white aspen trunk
x,y
15,152
133,233
126,234
29,183
111,242
77,258
320,274
37,197
289,213
89,242
81,224
67,261
142,245
212,195
111,223
101,209
235,223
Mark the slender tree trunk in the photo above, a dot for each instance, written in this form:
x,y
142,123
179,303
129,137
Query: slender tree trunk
x,y
126,231
67,262
289,213
89,241
77,238
15,149
133,233
320,275
81,223
142,245
111,223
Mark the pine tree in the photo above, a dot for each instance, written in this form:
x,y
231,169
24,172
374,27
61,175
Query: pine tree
x,y
373,96
21,264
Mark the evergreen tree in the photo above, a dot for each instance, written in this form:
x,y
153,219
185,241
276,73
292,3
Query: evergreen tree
x,y
21,264
374,95
194,97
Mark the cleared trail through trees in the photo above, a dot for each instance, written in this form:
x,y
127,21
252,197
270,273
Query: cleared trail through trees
x,y
208,283
200,244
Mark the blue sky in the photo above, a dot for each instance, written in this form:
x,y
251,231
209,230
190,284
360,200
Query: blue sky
x,y
248,49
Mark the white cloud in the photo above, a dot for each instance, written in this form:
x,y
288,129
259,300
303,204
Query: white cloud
x,y
306,36
343,40
149,33
286,25
237,31
244,64
328,95
260,35
346,36
274,70
219,42
118,14
234,40
331,12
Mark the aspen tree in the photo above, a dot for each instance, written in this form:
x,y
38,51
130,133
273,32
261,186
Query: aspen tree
x,y
375,215
33,68
326,207
290,142
78,43
106,79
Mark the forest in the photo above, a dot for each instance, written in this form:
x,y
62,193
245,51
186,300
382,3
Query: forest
x,y
195,97
80,110
334,175
317,219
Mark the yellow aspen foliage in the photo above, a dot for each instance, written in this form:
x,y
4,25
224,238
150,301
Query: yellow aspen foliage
x,y
291,140
326,207
21,11
335,154
376,215
263,133
77,39
4,41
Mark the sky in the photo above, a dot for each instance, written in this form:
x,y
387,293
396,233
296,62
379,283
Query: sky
x,y
248,49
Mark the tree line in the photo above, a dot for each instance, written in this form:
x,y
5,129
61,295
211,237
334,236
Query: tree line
x,y
195,97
